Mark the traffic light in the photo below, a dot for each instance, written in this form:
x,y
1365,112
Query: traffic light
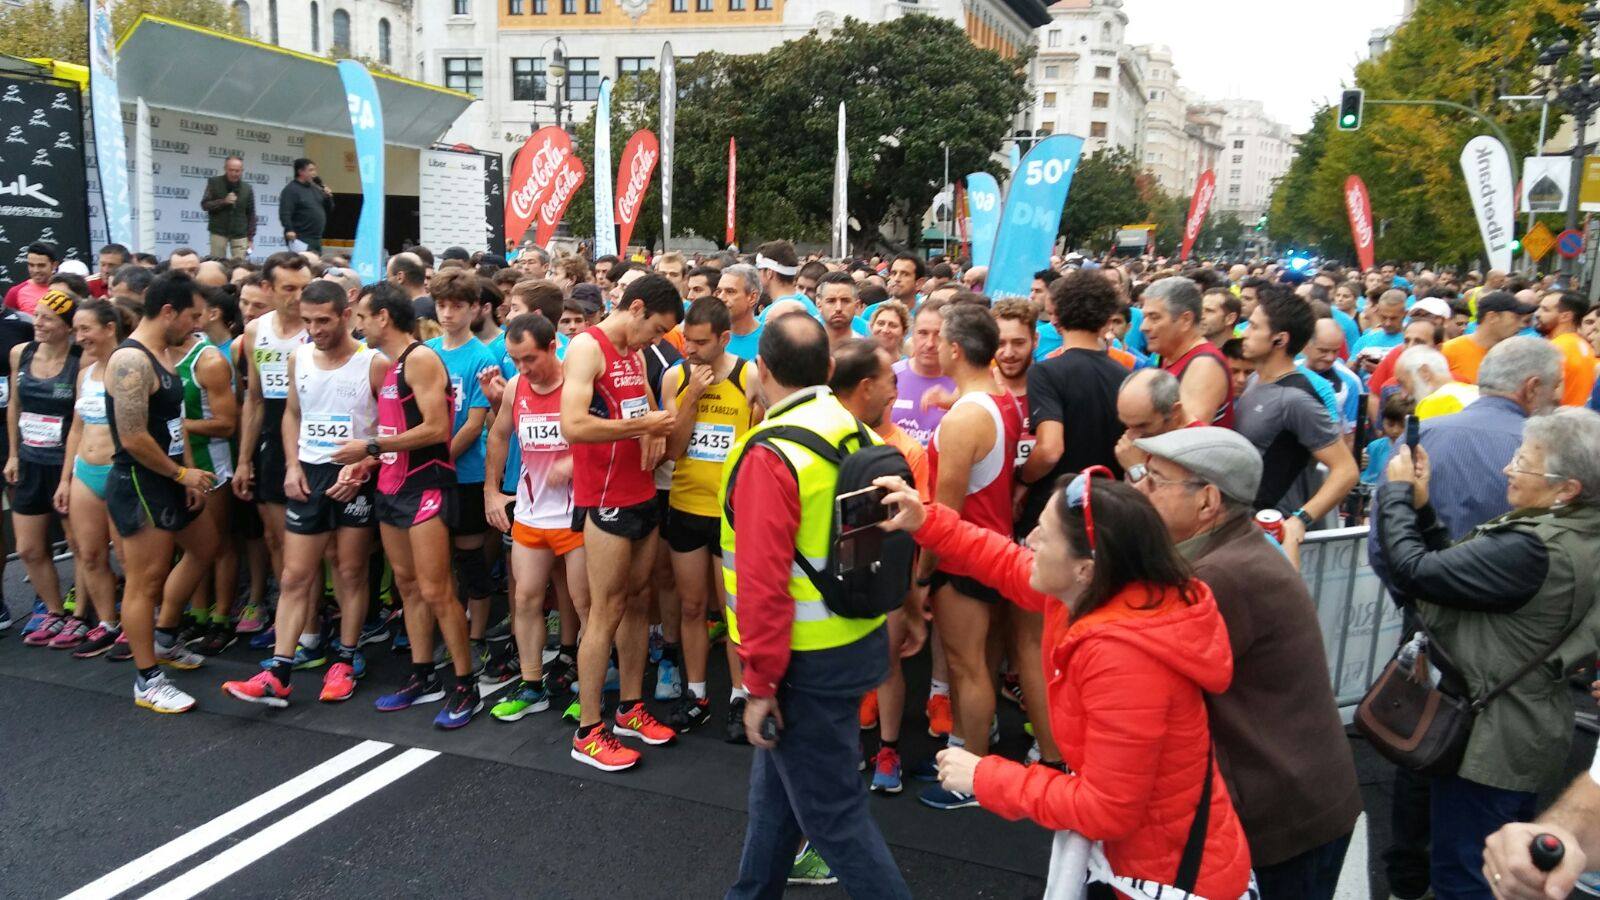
x,y
1261,224
1350,103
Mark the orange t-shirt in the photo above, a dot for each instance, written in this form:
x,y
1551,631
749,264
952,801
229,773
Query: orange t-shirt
x,y
916,456
1122,356
1577,376
675,338
1464,355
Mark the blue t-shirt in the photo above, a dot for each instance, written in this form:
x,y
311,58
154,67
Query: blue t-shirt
x,y
1377,337
497,347
745,346
1049,341
801,299
1352,331
463,365
1135,338
859,326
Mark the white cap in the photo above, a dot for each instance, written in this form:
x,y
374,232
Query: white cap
x,y
73,267
1433,306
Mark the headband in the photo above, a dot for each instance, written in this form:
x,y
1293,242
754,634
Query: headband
x,y
58,302
763,262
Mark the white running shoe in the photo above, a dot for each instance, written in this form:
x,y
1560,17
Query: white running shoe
x,y
162,696
179,657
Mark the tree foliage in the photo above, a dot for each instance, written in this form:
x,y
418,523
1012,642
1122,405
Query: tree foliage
x,y
908,86
55,30
1464,51
1108,191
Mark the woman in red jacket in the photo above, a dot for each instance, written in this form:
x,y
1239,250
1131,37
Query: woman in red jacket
x,y
1131,645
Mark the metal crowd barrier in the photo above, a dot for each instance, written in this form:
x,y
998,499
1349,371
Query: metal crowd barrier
x,y
1360,625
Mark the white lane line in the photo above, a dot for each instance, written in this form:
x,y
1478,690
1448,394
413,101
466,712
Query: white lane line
x,y
203,836
288,828
1355,881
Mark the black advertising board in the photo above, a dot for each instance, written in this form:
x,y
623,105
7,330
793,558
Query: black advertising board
x,y
42,183
494,201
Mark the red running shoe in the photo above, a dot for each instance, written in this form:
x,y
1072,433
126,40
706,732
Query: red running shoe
x,y
638,723
603,751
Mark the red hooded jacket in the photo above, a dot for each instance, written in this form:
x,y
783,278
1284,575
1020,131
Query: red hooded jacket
x,y
1127,707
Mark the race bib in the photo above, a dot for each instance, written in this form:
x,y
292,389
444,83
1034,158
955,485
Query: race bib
x,y
40,431
635,407
384,431
326,431
540,432
710,442
1024,450
273,366
175,436
458,396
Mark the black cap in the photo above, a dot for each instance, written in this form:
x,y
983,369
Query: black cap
x,y
456,253
1504,301
589,297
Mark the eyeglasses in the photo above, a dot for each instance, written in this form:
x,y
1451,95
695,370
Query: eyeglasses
x,y
1516,467
1140,473
1080,494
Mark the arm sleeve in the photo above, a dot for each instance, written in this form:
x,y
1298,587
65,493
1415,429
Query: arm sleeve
x,y
1496,572
764,551
988,556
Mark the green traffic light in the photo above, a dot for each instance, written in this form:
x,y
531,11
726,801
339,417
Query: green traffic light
x,y
1348,120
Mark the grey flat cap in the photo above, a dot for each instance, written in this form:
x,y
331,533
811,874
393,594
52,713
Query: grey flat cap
x,y
1218,455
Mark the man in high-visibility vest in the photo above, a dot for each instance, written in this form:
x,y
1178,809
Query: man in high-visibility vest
x,y
804,667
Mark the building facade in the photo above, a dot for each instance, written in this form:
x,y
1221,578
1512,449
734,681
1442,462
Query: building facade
x,y
1168,153
1256,152
1087,80
499,49
379,31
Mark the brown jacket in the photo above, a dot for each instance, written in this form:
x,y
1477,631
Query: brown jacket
x,y
1280,743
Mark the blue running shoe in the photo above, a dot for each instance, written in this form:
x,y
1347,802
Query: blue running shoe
x,y
310,657
464,703
5,616
658,645
939,798
358,664
377,631
416,690
36,617
927,770
402,641
886,771
669,682
263,640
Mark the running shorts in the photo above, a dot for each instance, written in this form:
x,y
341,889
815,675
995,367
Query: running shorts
x,y
137,497
318,514
35,490
687,532
408,509
967,587
561,541
270,473
470,517
631,522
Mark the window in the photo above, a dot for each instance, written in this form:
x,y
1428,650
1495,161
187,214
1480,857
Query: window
x,y
703,5
1238,145
1105,31
513,7
1053,39
1233,190
385,54
764,5
633,65
1152,95
1100,100
569,7
540,7
1049,100
241,13
464,74
316,28
341,31
527,78
583,78
272,20
1097,129
1052,72
1046,128
735,5
680,5
1102,72
459,8
591,7
1238,158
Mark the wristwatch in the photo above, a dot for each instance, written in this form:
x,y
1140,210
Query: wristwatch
x,y
1303,516
372,447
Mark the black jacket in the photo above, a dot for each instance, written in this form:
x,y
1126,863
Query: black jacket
x,y
304,209
1497,570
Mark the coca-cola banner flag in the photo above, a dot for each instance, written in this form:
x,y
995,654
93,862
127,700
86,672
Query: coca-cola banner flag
x,y
41,173
553,204
541,157
1204,190
1359,206
733,169
633,180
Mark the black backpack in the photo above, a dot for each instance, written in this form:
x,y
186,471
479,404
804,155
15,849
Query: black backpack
x,y
853,591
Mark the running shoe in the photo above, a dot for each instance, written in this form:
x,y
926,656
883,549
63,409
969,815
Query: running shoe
x,y
658,646
70,601
160,695
262,687
939,798
613,679
717,631
525,699
499,673
603,751
379,629
358,664
574,711
689,713
733,731
253,619
809,868
464,703
560,676
669,682
938,710
37,616
552,628
310,657
638,723
262,640
5,617
178,657
416,690
500,633
1011,689
99,640
71,635
869,711
120,650
218,638
1033,755
402,641
886,771
48,628
339,684
441,656
927,770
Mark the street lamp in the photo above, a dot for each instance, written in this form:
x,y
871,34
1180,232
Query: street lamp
x,y
555,75
1581,97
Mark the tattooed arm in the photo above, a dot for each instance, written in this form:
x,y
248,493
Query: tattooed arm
x,y
130,381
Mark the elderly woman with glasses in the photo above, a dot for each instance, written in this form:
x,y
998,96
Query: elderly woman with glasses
x,y
1517,589
1132,643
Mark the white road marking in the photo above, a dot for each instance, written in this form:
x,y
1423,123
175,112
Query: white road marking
x,y
1354,881
289,827
203,836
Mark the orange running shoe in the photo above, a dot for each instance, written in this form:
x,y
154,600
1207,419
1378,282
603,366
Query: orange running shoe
x,y
339,684
869,711
262,688
603,751
638,723
938,710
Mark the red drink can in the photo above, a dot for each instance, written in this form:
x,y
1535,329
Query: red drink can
x,y
1271,521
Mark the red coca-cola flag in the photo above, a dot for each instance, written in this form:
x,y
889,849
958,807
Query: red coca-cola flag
x,y
563,187
540,158
633,181
1359,205
733,169
1204,190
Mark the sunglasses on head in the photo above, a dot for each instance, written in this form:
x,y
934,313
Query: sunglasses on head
x,y
1080,493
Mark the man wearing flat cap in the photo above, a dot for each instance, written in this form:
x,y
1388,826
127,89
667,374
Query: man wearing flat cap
x,y
1280,743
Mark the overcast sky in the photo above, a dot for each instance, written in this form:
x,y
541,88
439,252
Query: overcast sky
x,y
1289,54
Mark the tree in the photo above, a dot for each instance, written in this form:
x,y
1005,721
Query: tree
x,y
1105,194
50,29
